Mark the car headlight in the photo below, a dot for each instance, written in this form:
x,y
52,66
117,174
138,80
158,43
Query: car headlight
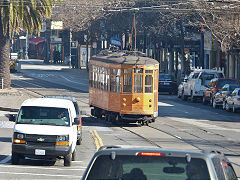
x,y
19,136
62,138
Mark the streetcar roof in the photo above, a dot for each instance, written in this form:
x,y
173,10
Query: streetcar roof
x,y
124,58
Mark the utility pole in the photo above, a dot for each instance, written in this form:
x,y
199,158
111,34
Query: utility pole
x,y
135,32
26,50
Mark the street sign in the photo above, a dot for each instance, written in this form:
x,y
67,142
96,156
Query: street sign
x,y
115,42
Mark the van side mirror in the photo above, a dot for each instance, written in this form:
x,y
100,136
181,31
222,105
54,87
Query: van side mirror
x,y
12,117
76,121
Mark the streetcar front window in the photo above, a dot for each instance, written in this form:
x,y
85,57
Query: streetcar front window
x,y
127,80
148,83
138,80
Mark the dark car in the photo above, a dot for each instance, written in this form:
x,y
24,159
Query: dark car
x,y
167,84
215,85
144,163
222,94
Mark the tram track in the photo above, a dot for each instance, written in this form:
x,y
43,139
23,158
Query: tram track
x,y
180,139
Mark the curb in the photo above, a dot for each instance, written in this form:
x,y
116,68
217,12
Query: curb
x,y
8,109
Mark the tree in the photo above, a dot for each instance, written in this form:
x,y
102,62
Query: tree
x,y
17,15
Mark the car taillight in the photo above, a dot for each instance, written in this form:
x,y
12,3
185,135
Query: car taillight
x,y
150,154
238,99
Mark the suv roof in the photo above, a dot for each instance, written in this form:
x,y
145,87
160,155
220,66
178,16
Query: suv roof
x,y
73,99
155,163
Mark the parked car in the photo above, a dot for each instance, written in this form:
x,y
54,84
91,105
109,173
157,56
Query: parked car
x,y
198,81
222,94
144,163
45,128
78,114
215,85
232,101
167,84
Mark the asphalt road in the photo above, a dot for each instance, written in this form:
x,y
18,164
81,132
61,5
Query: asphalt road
x,y
180,125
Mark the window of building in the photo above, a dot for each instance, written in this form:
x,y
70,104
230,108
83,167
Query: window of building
x,y
127,80
138,80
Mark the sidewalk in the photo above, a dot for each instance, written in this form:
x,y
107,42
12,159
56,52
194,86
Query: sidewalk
x,y
11,99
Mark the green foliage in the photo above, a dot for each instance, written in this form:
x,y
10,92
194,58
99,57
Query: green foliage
x,y
28,15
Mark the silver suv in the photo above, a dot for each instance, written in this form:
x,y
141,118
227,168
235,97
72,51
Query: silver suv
x,y
154,164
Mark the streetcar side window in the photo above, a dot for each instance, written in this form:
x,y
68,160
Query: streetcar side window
x,y
106,79
148,81
138,80
127,80
91,75
94,76
115,79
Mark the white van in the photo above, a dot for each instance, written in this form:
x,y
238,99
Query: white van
x,y
45,128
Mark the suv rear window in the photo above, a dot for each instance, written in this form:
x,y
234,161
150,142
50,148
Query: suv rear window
x,y
148,167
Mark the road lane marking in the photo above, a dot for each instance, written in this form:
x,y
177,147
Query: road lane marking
x,y
5,160
164,104
33,174
97,140
98,137
46,168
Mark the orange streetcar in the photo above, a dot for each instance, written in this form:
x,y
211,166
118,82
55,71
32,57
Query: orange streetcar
x,y
123,86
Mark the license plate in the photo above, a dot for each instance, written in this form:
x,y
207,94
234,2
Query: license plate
x,y
166,83
39,152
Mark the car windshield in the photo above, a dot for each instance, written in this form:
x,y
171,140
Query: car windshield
x,y
164,76
221,83
43,116
148,167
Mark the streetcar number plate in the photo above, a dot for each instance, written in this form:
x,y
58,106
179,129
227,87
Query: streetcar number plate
x,y
40,152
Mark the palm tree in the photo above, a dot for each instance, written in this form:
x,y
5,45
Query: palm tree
x,y
17,15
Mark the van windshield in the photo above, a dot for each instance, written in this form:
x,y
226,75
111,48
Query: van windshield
x,y
43,116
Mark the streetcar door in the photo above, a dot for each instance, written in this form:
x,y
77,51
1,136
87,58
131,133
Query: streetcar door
x,y
155,91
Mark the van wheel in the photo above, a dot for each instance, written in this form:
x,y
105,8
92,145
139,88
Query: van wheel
x,y
67,159
15,158
79,141
74,155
